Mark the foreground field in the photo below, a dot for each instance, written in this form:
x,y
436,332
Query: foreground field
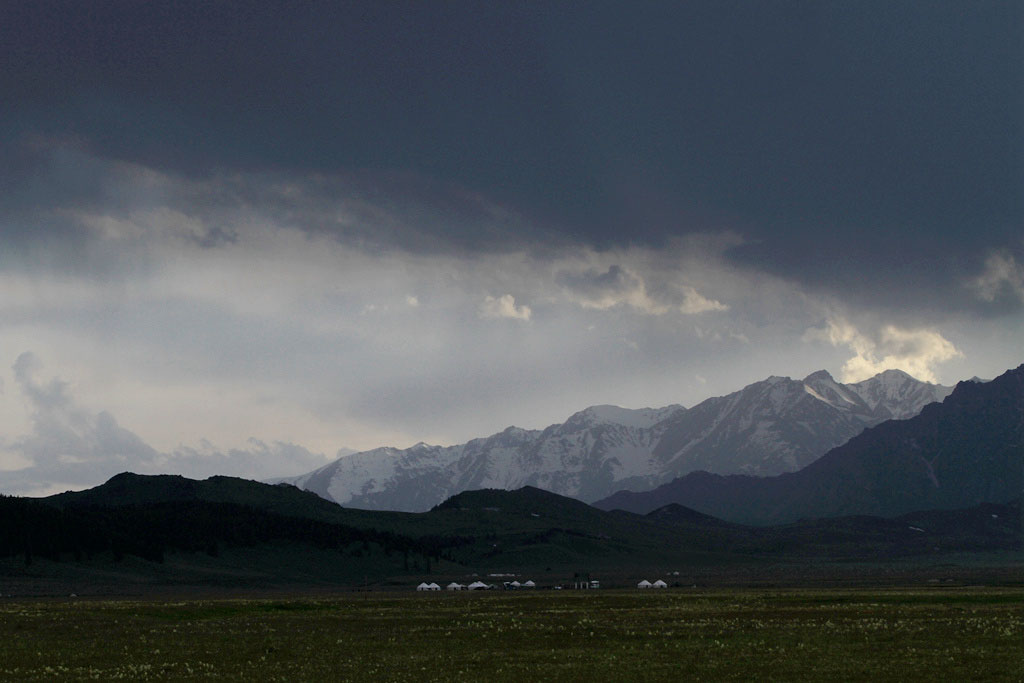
x,y
953,634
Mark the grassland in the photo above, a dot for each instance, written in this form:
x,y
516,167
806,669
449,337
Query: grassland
x,y
897,634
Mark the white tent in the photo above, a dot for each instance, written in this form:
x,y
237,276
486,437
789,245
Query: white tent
x,y
659,584
528,584
644,584
477,586
455,586
423,587
433,587
514,585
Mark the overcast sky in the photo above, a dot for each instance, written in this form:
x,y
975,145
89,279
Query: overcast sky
x,y
239,238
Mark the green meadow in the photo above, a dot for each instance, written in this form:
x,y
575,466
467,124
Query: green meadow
x,y
675,634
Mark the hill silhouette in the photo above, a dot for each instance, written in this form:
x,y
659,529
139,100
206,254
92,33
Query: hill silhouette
x,y
166,527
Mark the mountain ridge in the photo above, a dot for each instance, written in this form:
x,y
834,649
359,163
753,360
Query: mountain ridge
x,y
964,451
768,427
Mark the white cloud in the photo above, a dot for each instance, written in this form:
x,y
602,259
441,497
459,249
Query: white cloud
x,y
694,302
618,285
504,306
916,352
1002,277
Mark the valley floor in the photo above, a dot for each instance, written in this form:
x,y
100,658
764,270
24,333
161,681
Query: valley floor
x,y
927,633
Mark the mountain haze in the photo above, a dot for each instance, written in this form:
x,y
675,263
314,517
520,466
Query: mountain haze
x,y
769,427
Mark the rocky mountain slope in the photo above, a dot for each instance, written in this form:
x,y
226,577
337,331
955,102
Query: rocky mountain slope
x,y
967,450
773,426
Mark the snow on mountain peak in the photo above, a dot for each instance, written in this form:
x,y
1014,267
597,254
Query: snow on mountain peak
x,y
810,390
822,386
776,425
898,394
641,418
819,376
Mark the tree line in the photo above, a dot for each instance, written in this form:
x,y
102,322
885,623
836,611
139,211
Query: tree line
x,y
31,528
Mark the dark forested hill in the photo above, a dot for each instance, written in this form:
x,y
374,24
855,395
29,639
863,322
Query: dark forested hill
x,y
157,522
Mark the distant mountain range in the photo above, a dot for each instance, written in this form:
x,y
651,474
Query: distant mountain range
x,y
770,427
964,451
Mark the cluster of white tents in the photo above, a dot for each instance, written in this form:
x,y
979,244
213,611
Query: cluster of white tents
x,y
476,586
512,585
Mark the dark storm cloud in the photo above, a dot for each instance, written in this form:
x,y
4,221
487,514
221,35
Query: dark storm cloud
x,y
56,183
855,145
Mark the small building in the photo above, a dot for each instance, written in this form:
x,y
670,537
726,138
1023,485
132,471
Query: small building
x,y
528,584
453,586
477,586
433,587
644,584
423,587
659,584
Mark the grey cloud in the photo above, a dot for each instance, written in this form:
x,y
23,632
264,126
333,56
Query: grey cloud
x,y
1001,281
598,284
617,286
70,446
90,201
70,194
260,460
64,433
214,236
609,127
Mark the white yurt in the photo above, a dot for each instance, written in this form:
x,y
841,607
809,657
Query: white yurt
x,y
478,586
423,587
528,584
659,584
433,587
644,584
515,585
455,586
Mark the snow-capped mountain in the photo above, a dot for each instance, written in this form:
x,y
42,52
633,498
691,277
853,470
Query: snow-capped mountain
x,y
781,425
773,426
957,454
